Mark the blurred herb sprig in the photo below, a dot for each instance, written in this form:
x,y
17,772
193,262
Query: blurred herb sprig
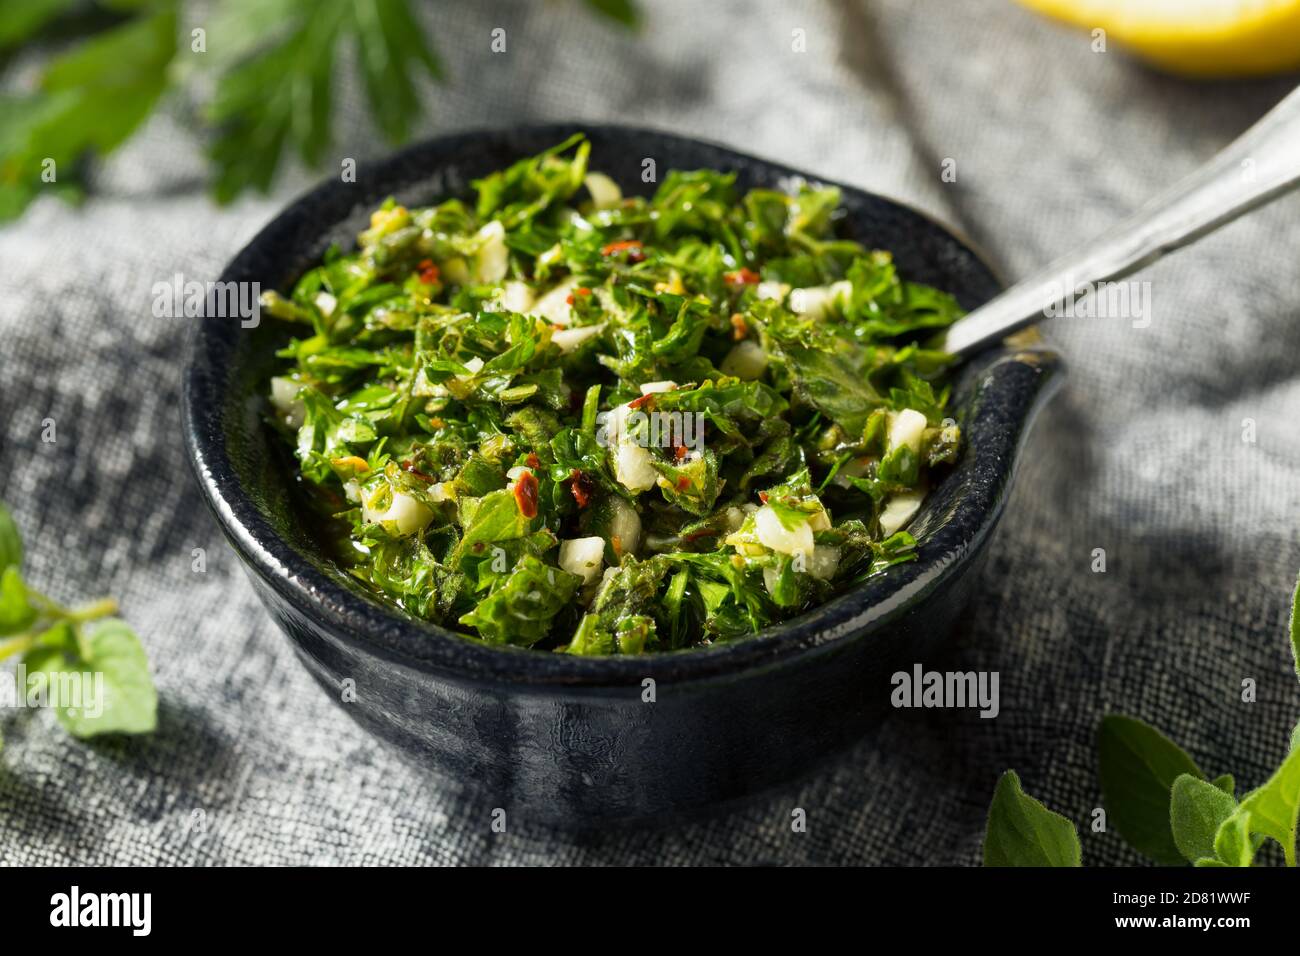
x,y
271,64
62,648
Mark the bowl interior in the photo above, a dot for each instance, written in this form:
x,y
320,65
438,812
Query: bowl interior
x,y
243,473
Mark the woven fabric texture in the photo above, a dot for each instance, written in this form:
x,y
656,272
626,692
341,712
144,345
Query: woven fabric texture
x,y
1141,454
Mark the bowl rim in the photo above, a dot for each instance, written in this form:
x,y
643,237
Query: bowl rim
x,y
370,627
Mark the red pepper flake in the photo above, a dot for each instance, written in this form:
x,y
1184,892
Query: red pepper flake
x,y
679,452
741,277
580,290
683,483
739,328
532,460
581,486
635,251
429,271
526,494
616,543
762,496
409,466
643,400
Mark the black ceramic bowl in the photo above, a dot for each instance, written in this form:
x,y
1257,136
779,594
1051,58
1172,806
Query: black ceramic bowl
x,y
573,740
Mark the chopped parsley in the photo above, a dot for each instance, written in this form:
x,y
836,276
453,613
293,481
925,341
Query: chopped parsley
x,y
563,418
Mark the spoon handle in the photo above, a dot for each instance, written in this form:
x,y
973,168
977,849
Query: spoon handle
x,y
1257,167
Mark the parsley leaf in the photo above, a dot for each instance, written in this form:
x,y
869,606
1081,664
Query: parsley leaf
x,y
89,101
267,81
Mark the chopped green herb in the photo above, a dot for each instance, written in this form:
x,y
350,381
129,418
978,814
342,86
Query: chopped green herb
x,y
555,416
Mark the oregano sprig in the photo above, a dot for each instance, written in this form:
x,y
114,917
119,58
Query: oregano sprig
x,y
1160,801
59,648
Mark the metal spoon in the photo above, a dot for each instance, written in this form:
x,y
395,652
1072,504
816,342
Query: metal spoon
x,y
1260,165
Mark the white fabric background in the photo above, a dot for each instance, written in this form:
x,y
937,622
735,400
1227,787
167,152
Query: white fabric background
x,y
1141,453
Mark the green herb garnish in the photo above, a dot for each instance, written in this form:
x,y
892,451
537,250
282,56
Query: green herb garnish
x,y
93,675
1160,801
563,418
263,72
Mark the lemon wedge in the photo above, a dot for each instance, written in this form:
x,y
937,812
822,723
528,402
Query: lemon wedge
x,y
1193,37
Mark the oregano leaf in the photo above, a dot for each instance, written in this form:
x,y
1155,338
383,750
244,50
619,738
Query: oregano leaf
x,y
1138,767
1023,832
1274,807
1197,809
114,692
1233,845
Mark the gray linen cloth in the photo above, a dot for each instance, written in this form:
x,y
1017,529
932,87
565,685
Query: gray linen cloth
x,y
1141,454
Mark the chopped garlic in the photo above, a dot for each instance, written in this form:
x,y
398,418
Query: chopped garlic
x,y
568,340
442,491
554,305
825,561
650,388
625,525
746,361
632,463
771,578
899,511
817,301
605,193
774,535
284,396
906,429
735,518
632,466
325,303
492,259
583,557
515,297
405,512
